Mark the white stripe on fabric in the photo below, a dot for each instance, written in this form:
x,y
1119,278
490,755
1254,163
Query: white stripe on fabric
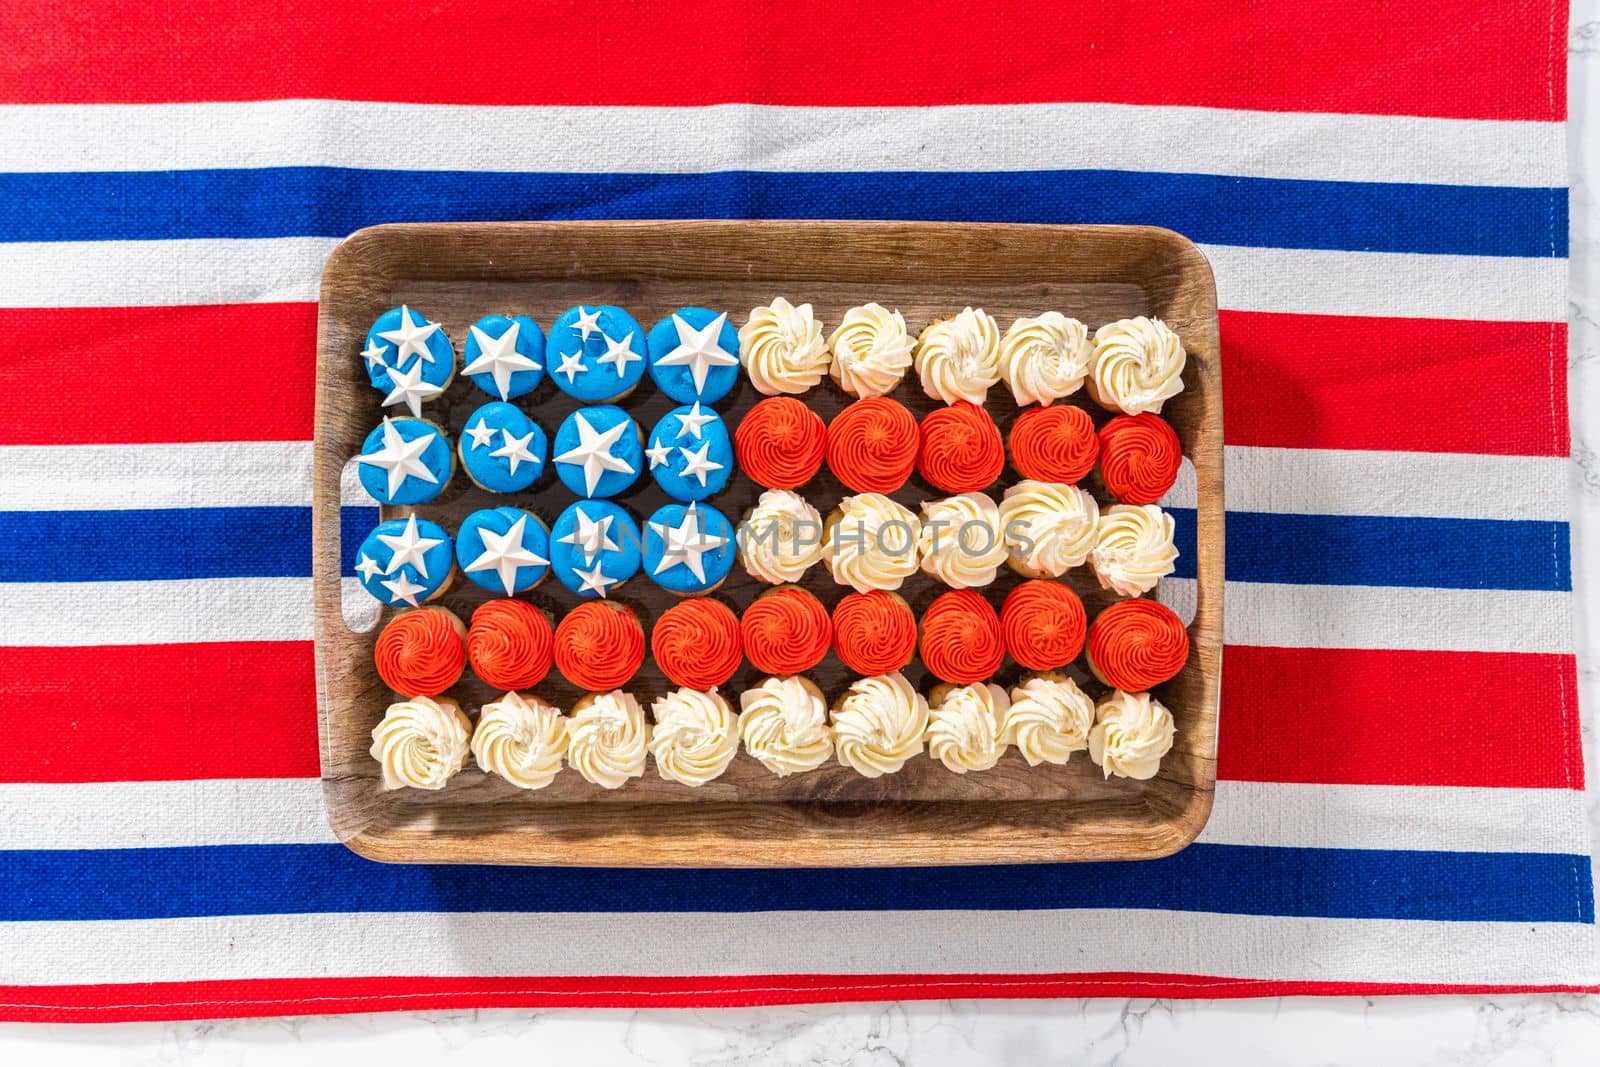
x,y
223,811
115,477
224,271
1007,137
537,944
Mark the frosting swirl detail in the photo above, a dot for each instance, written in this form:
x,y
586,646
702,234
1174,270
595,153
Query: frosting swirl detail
x,y
1133,548
1049,528
959,357
780,443
599,645
784,725
1137,644
521,739
874,633
697,643
961,449
1137,365
871,350
872,445
964,726
1049,719
960,542
781,538
782,348
510,644
878,724
1043,623
961,639
1045,358
421,652
421,743
871,543
1131,732
607,738
1139,458
1054,444
695,738
786,631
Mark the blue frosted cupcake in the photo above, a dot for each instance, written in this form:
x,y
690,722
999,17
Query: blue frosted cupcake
x,y
594,548
504,550
408,358
694,355
598,451
501,448
689,548
405,561
405,461
596,353
690,454
504,357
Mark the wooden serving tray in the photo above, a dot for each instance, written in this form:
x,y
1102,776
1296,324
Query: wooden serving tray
x,y
1014,813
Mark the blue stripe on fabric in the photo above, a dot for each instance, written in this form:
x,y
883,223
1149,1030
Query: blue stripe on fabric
x,y
1211,209
1237,879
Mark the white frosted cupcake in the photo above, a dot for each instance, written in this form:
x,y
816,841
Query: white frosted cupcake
x,y
964,726
782,348
780,538
784,724
607,738
696,736
421,743
1131,732
960,542
871,543
1133,548
1049,528
521,739
1137,365
871,350
878,724
1045,358
1049,718
959,358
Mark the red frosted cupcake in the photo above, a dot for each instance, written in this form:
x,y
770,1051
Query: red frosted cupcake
x,y
1054,444
1043,623
780,443
874,633
1139,458
961,450
961,638
786,631
421,652
599,645
872,445
1136,644
697,644
510,644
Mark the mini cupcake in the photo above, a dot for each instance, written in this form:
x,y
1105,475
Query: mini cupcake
x,y
694,355
780,443
510,644
697,643
1139,458
1043,623
599,645
502,450
782,349
780,538
786,630
594,548
521,739
503,550
504,356
958,358
421,653
689,549
964,726
961,638
874,633
1131,733
598,451
871,350
1054,444
870,542
696,736
783,723
596,354
608,738
421,743
1133,548
1048,528
1137,644
878,724
405,461
872,445
689,454
1049,719
408,358
960,449
1044,359
1137,366
405,561
960,542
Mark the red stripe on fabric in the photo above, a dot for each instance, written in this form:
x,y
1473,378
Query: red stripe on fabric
x,y
162,712
1324,381
1454,58
1386,717
320,996
141,375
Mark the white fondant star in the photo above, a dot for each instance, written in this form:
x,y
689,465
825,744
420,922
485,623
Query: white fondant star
x,y
593,452
691,424
504,553
571,366
411,338
373,354
408,547
367,567
590,536
696,463
593,579
481,434
686,543
619,354
698,350
403,588
402,458
515,449
658,454
499,356
588,322
409,389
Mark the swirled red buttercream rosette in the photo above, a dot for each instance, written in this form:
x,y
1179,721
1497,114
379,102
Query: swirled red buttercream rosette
x,y
961,449
961,638
780,443
599,646
872,445
510,644
421,652
1136,644
697,643
786,631
1139,458
1054,444
1044,624
874,632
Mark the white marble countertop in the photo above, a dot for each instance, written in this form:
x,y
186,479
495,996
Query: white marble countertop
x,y
1286,1032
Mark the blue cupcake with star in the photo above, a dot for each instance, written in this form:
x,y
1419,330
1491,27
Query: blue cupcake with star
x,y
502,449
689,548
405,461
408,358
596,353
504,356
598,451
504,550
689,453
694,355
405,561
594,548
